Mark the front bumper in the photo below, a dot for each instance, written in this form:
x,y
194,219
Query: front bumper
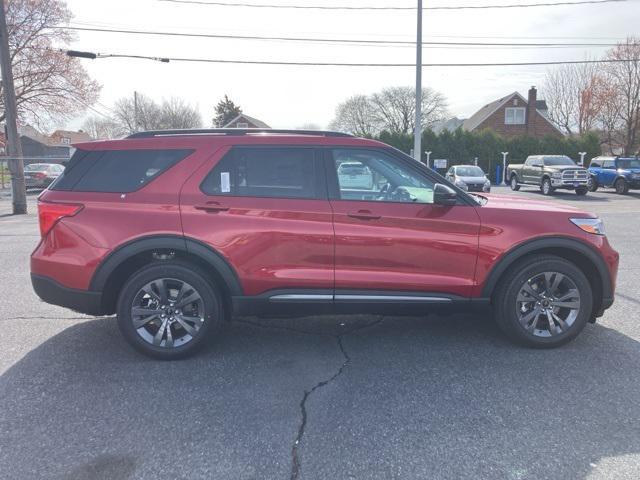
x,y
561,183
82,301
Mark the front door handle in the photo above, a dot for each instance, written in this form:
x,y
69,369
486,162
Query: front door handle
x,y
364,215
211,207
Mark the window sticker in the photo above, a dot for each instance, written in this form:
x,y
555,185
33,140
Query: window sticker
x,y
225,182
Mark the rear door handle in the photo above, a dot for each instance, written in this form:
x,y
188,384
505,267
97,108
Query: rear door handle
x,y
364,215
211,207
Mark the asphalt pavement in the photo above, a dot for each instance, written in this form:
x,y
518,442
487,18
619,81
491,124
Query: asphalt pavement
x,y
360,397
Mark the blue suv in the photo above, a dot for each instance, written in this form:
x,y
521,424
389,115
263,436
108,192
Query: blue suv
x,y
621,173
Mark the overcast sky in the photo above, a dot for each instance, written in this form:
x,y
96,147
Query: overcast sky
x,y
289,97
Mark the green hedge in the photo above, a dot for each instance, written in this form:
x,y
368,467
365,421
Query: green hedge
x,y
461,147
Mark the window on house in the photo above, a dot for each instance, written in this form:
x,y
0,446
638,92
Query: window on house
x,y
514,116
242,125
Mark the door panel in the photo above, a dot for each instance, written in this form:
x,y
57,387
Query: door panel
x,y
272,243
427,248
393,237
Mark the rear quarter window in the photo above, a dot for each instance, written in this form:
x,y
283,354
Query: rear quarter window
x,y
116,171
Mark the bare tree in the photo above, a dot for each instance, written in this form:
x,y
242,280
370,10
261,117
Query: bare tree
x,y
624,78
176,113
570,92
150,115
356,115
49,85
395,108
102,128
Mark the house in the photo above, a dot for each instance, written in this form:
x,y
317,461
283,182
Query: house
x,y
245,121
513,116
450,125
38,147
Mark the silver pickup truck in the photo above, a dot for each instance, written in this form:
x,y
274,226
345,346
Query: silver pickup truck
x,y
549,172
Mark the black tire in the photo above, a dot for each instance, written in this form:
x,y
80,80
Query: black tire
x,y
514,183
211,305
545,187
621,186
592,186
581,191
506,305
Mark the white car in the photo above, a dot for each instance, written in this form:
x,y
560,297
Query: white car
x,y
355,175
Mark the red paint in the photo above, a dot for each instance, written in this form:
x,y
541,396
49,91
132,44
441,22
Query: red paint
x,y
282,243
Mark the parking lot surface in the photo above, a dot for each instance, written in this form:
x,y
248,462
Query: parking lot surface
x,y
321,398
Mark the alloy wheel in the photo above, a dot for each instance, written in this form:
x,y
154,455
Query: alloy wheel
x,y
548,304
167,313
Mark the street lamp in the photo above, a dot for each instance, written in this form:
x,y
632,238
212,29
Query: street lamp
x,y
504,168
428,156
93,56
582,154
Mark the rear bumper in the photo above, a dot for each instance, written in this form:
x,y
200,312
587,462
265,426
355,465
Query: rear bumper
x,y
82,301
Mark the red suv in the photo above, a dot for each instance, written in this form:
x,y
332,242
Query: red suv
x,y
175,231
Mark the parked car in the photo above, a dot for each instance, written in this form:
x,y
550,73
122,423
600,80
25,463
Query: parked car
x,y
469,178
175,231
355,175
549,172
40,175
621,173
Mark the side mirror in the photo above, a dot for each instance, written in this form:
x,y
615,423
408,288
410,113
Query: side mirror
x,y
443,195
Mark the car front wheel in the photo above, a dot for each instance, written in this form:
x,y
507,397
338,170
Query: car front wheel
x,y
581,191
168,310
592,185
514,183
545,301
546,187
621,186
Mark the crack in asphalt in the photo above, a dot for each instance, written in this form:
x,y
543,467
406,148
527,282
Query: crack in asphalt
x,y
295,457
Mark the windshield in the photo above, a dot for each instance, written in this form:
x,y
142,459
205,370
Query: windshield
x,y
558,160
36,167
469,172
628,163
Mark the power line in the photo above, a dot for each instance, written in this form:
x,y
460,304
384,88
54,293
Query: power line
x,y
386,8
332,40
340,64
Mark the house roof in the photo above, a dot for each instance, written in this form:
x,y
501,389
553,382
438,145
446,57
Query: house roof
x,y
485,112
255,121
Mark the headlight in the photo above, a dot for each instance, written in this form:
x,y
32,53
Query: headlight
x,y
487,183
557,174
462,185
589,225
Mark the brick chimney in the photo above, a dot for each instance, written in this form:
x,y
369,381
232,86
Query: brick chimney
x,y
531,111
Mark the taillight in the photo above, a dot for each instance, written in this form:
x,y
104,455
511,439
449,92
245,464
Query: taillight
x,y
50,213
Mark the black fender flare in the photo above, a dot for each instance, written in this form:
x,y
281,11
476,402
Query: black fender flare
x,y
522,249
166,242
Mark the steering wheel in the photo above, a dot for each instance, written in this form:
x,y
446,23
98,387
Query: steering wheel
x,y
384,192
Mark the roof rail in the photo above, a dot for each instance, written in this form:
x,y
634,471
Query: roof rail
x,y
234,131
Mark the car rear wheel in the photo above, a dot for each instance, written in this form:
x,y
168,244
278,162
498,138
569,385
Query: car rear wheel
x,y
621,186
514,183
544,302
168,310
546,187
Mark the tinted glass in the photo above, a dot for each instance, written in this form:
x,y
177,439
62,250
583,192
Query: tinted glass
x,y
118,171
609,164
36,167
264,172
628,163
385,179
558,160
469,172
595,164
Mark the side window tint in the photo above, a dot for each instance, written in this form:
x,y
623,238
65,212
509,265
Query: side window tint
x,y
595,164
375,176
264,172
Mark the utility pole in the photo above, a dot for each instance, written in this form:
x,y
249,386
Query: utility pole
x,y
135,111
417,132
14,148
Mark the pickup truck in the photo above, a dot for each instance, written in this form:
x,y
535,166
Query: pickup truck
x,y
617,172
549,172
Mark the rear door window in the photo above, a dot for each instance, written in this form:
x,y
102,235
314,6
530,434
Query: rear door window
x,y
118,171
288,172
